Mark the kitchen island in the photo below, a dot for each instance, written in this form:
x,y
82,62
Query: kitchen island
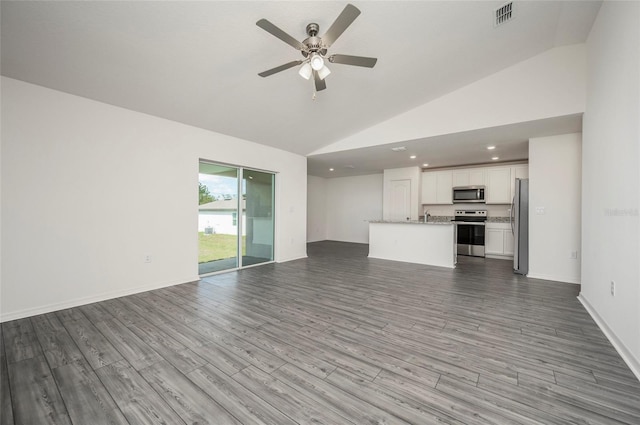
x,y
432,243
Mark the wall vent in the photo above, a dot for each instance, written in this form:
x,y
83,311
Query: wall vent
x,y
503,14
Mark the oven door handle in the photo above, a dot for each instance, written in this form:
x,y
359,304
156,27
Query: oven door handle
x,y
472,223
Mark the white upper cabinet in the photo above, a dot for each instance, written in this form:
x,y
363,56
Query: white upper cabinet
x,y
437,187
499,185
477,177
518,172
469,177
460,178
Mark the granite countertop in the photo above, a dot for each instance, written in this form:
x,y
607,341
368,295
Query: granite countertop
x,y
440,219
497,219
409,222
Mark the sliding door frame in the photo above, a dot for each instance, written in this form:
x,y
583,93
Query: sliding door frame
x,y
240,217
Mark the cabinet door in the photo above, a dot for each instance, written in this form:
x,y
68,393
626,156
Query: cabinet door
x,y
461,178
477,177
518,172
494,241
444,187
429,188
508,242
498,186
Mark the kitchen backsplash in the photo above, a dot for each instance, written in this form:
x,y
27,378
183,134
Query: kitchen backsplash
x,y
493,211
438,218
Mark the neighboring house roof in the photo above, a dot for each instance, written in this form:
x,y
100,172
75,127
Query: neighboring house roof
x,y
224,205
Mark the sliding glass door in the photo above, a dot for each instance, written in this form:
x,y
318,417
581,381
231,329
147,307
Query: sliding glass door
x,y
257,190
235,217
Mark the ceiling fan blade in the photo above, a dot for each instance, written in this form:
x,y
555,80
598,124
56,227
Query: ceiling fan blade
x,y
280,68
353,60
277,32
342,22
320,84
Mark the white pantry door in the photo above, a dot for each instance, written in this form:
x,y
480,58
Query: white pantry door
x,y
400,208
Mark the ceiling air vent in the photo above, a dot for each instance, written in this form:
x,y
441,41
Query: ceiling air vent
x,y
503,14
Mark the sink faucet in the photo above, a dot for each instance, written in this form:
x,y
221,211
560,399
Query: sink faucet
x,y
426,216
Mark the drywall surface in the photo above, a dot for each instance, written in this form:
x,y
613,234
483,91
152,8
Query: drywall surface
x,y
351,203
554,207
611,181
548,85
316,209
89,190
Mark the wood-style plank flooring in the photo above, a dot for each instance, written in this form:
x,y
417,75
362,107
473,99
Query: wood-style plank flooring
x,y
336,338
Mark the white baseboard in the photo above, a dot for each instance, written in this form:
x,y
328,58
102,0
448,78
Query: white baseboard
x,y
566,279
292,259
621,348
76,302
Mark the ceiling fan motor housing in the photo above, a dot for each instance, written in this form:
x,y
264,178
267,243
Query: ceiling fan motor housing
x,y
313,29
313,43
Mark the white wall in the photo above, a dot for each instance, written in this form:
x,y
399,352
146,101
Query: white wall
x,y
109,185
316,209
351,203
611,181
413,174
551,84
555,185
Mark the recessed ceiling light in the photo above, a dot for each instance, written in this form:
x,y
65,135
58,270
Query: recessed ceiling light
x,y
399,149
330,169
494,158
412,157
425,165
491,147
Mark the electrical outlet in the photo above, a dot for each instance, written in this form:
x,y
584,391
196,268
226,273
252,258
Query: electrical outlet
x,y
573,255
540,210
147,258
613,288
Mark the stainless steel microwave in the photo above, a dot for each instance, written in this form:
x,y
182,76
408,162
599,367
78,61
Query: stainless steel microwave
x,y
468,194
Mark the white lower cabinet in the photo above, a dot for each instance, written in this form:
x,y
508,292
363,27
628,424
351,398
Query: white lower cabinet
x,y
498,240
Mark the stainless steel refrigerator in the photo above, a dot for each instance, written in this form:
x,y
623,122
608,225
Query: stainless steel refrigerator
x,y
520,227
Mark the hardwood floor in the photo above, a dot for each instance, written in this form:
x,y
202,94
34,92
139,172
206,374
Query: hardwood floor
x,y
333,339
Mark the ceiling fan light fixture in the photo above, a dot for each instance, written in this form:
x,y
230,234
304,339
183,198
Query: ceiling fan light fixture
x,y
316,61
323,72
305,71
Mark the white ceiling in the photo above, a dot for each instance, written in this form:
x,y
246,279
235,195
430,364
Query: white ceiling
x,y
460,149
197,62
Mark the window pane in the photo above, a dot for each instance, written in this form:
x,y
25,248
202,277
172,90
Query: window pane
x,y
258,195
217,218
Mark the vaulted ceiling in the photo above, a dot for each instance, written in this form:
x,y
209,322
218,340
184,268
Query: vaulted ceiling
x,y
197,62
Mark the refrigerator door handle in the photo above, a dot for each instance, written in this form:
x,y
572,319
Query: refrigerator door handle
x,y
512,215
514,227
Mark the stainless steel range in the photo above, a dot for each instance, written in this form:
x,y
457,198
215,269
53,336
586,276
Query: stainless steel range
x,y
471,227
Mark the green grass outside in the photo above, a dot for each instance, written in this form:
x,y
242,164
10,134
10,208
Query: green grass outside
x,y
218,247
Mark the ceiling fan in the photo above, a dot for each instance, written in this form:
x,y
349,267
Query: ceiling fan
x,y
314,48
